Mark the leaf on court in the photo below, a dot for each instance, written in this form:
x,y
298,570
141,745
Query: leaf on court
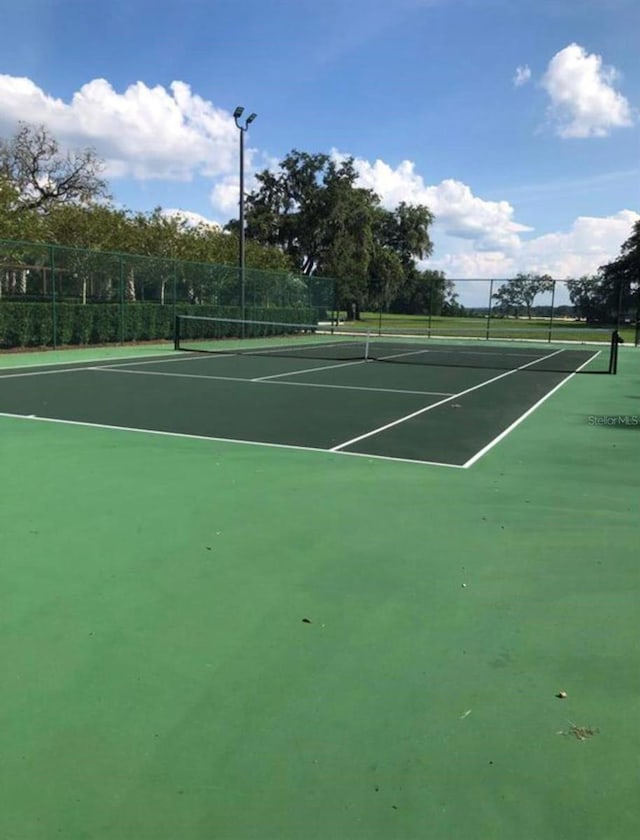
x,y
466,714
306,621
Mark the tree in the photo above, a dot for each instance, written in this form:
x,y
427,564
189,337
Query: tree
x,y
522,291
584,295
14,223
613,295
386,277
43,176
620,283
313,210
406,231
422,292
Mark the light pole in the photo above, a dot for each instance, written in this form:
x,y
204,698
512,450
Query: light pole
x,y
242,128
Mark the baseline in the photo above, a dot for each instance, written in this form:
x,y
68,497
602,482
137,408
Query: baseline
x,y
185,436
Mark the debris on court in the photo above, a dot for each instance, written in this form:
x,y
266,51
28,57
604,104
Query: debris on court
x,y
580,733
562,695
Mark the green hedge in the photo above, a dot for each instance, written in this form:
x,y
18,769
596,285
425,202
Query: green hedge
x,y
32,324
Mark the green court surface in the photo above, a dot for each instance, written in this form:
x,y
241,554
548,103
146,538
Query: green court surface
x,y
217,623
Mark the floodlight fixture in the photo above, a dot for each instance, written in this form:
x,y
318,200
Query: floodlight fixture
x,y
242,129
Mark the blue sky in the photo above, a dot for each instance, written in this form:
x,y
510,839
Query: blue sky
x,y
515,121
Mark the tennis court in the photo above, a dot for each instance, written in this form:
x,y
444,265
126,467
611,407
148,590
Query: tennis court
x,y
387,397
245,595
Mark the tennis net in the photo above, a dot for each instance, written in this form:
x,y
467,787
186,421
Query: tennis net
x,y
201,334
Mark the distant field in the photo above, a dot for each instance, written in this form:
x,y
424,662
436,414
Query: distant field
x,y
562,330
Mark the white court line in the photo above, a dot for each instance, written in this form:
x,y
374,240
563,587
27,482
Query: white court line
x,y
89,361
42,372
400,355
308,370
186,436
440,402
183,357
89,364
495,353
401,460
109,369
524,416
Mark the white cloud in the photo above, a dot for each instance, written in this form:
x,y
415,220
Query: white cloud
x,y
590,242
458,212
172,133
584,102
225,196
141,133
191,218
522,76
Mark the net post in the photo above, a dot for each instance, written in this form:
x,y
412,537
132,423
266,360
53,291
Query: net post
x,y
176,332
613,354
366,347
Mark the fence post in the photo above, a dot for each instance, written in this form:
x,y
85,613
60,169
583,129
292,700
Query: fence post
x,y
174,310
54,314
553,297
488,335
121,261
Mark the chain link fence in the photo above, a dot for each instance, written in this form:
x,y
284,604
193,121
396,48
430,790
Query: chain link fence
x,y
53,296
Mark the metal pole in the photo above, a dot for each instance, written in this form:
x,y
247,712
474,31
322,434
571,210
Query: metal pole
x,y
122,307
241,255
553,297
242,128
54,314
488,334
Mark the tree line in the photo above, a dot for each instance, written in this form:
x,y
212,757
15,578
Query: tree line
x,y
50,196
309,217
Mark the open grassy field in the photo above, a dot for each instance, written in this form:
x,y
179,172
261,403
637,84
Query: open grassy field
x,y
475,327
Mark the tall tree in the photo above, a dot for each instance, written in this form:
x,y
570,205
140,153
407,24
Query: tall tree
x,y
613,295
422,293
44,176
314,211
406,231
620,285
584,295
